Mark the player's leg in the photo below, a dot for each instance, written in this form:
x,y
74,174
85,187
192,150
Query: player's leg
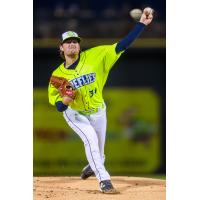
x,y
99,123
81,125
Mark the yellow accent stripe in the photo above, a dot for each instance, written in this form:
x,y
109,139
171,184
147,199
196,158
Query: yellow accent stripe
x,y
91,42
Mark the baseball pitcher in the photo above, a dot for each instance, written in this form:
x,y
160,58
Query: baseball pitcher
x,y
75,88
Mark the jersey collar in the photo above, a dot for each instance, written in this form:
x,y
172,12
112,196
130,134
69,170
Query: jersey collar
x,y
74,65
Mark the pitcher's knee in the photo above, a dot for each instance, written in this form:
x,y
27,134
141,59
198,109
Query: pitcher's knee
x,y
93,145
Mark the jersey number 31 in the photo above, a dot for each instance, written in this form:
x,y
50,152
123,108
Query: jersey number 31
x,y
92,92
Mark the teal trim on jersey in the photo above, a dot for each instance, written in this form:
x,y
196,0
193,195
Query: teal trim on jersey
x,y
89,77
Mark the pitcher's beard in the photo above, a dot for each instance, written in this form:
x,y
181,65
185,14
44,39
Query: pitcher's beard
x,y
72,55
73,52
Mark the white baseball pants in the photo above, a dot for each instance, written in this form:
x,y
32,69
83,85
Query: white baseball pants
x,y
92,131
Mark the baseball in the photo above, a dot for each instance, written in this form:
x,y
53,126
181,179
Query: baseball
x,y
136,14
148,10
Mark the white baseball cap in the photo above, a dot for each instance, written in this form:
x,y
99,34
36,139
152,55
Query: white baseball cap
x,y
70,34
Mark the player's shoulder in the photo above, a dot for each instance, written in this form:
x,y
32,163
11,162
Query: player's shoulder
x,y
99,48
56,71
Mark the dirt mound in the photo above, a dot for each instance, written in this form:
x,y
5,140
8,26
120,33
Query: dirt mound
x,y
73,188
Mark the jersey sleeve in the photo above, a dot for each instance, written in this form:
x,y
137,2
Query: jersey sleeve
x,y
53,95
111,56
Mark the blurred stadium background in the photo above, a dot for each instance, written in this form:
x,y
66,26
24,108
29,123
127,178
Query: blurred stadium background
x,y
134,93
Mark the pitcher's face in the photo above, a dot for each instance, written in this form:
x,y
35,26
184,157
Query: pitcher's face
x,y
70,47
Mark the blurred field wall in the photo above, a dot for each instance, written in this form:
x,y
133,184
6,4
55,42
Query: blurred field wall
x,y
135,98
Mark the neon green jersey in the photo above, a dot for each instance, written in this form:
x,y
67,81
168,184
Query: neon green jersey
x,y
89,77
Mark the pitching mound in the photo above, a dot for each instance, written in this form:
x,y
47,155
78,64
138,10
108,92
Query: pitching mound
x,y
73,188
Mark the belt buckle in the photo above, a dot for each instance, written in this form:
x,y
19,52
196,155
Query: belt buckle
x,y
88,112
92,111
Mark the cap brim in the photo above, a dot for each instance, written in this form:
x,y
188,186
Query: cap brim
x,y
77,38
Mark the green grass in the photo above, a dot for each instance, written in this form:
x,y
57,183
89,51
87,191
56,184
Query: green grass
x,y
156,176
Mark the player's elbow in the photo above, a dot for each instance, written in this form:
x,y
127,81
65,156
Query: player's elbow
x,y
60,106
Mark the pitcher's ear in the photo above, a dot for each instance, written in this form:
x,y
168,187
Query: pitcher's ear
x,y
61,48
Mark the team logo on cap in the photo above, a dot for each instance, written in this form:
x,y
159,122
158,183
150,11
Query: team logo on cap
x,y
69,34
